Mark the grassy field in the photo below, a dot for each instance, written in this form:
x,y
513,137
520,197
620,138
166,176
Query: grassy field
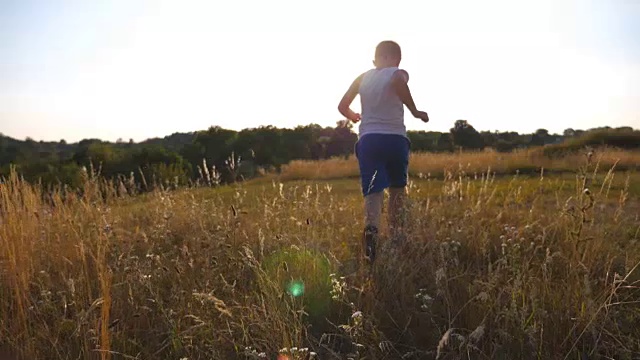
x,y
424,165
495,267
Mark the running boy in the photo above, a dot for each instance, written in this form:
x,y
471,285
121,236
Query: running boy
x,y
383,147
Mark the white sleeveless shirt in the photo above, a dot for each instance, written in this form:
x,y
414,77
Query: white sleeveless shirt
x,y
382,109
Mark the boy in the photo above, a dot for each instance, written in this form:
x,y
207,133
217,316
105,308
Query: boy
x,y
383,147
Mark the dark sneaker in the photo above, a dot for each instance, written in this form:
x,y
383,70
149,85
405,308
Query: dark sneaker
x,y
369,242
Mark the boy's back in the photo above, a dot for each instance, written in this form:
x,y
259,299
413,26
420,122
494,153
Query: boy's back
x,y
382,109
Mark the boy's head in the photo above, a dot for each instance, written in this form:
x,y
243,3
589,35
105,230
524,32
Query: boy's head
x,y
388,54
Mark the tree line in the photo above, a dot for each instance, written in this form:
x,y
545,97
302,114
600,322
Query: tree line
x,y
218,155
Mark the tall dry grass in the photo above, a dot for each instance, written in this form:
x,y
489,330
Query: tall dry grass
x,y
436,164
492,269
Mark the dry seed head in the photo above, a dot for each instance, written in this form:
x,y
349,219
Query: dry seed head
x,y
483,296
443,343
477,334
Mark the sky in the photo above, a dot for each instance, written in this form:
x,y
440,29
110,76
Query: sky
x,y
140,69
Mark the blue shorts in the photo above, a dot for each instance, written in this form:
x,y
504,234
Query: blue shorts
x,y
383,161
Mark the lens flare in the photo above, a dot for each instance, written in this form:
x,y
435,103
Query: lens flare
x,y
296,288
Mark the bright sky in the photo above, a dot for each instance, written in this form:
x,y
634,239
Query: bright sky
x,y
137,69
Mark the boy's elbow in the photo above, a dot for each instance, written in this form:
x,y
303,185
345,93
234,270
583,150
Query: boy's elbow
x,y
342,108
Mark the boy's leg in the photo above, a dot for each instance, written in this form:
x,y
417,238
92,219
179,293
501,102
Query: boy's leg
x,y
373,213
397,213
397,169
373,209
374,180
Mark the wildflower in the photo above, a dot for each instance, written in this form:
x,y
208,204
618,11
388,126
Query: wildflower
x,y
426,301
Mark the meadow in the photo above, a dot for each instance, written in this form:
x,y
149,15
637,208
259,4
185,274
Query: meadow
x,y
426,165
500,262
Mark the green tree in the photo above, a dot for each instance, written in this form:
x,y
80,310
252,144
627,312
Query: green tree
x,y
466,136
540,137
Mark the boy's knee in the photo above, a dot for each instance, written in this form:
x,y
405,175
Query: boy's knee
x,y
373,192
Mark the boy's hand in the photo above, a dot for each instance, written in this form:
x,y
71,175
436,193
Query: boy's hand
x,y
355,117
421,115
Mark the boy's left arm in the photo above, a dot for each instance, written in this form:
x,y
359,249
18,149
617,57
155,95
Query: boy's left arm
x,y
347,99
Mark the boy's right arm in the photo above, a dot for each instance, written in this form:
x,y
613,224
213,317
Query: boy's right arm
x,y
399,82
345,104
